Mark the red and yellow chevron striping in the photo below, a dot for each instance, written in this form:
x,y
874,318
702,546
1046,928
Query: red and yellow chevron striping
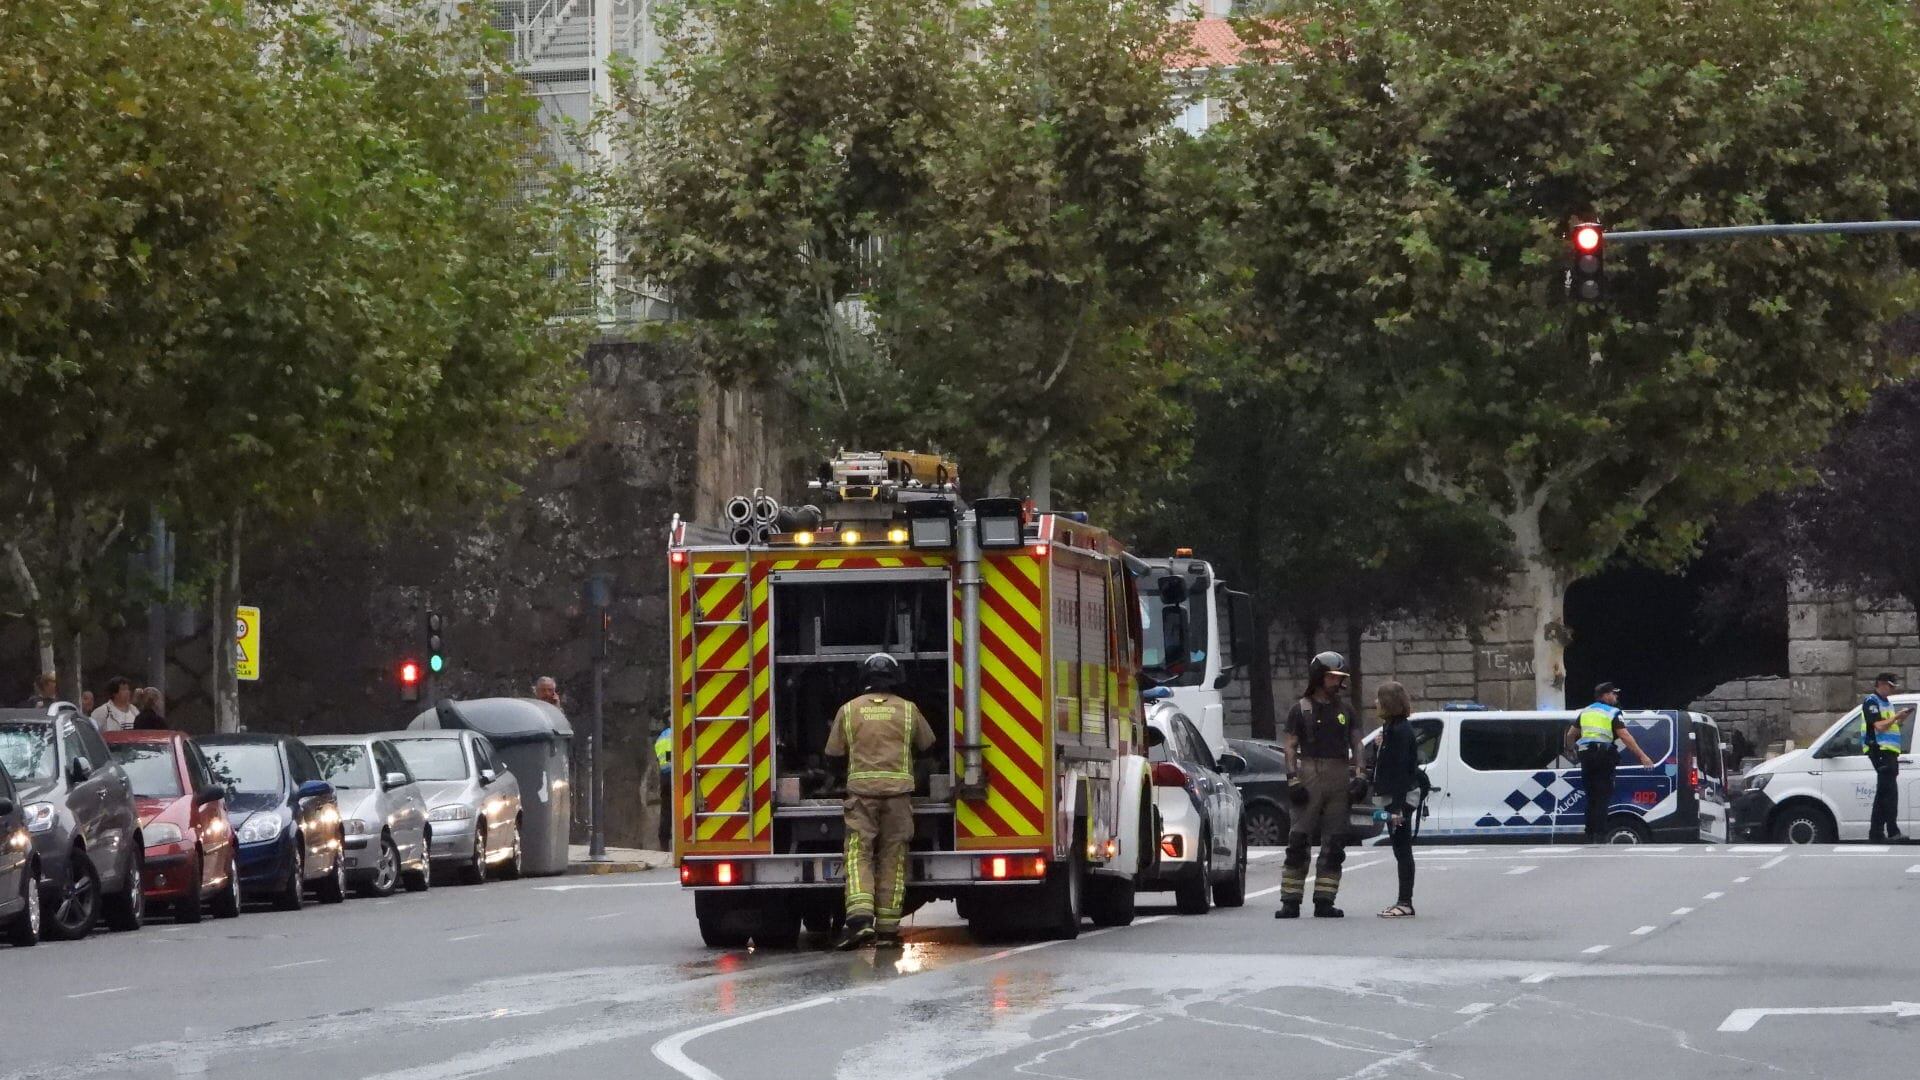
x,y
1017,749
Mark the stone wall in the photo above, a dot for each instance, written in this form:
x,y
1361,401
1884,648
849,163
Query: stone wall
x,y
1837,644
1757,709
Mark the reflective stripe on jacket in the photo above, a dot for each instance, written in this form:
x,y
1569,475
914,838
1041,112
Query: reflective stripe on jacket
x,y
877,734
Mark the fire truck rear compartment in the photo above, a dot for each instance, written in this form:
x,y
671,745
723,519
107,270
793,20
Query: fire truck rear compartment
x,y
823,630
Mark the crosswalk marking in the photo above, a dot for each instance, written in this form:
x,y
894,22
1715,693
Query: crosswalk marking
x,y
1644,931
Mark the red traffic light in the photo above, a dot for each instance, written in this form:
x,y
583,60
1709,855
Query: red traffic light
x,y
1588,237
409,674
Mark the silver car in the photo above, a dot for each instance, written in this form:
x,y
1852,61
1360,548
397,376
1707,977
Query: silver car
x,y
383,812
473,801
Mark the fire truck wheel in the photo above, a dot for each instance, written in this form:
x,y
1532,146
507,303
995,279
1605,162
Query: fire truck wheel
x,y
1110,900
1065,890
779,926
722,924
818,922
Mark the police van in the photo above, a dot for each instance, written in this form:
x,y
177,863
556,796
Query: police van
x,y
1512,775
1823,793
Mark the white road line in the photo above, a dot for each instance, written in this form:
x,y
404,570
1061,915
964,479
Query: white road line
x,y
1538,977
1713,896
1644,931
606,885
1763,849
1595,950
299,963
1741,880
1773,862
1683,911
1271,889
1255,855
97,993
608,915
1519,870
1913,869
466,937
1863,849
1474,1009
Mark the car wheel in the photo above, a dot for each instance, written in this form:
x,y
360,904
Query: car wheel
x,y
1194,896
1233,891
386,873
25,931
1626,832
333,888
227,904
510,868
1266,827
474,870
78,905
293,893
422,879
1803,823
187,909
127,909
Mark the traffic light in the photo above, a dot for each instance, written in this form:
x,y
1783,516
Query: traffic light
x,y
1588,280
409,680
436,645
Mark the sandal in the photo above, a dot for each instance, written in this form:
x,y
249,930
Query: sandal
x,y
1398,911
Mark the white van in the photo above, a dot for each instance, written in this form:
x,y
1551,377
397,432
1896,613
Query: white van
x,y
1824,793
1510,775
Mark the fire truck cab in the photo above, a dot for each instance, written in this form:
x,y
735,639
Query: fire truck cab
x,y
1019,635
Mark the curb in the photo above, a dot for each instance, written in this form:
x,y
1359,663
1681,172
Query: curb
x,y
608,867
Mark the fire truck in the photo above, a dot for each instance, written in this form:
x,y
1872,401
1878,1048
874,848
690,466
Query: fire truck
x,y
1019,634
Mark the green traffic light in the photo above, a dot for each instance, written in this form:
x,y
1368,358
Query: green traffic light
x,y
436,663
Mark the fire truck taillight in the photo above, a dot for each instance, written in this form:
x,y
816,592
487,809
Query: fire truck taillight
x,y
712,873
678,558
1013,867
1040,550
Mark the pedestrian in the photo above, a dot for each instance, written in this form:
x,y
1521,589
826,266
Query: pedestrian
x,y
46,691
152,706
663,754
1323,761
1596,731
877,734
545,689
86,703
118,714
1882,743
1399,783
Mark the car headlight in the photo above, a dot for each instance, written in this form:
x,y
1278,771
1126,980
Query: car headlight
x,y
1758,783
259,828
163,833
451,812
39,816
355,827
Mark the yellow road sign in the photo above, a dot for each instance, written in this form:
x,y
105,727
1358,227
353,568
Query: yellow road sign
x,y
246,643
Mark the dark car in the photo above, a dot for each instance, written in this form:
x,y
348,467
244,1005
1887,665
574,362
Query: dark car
x,y
284,815
1263,787
81,818
19,871
183,817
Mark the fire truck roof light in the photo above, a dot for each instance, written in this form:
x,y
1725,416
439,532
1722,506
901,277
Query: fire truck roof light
x,y
803,538
678,558
896,535
1040,550
1183,553
851,536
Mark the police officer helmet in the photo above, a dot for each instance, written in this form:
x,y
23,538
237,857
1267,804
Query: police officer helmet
x,y
1327,663
881,671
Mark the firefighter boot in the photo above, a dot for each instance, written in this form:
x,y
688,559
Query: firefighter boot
x,y
1289,909
1324,909
859,932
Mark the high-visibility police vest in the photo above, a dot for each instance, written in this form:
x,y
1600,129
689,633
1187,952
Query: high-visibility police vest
x,y
663,748
1879,708
1596,724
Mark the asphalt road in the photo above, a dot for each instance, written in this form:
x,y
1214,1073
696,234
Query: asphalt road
x,y
1524,963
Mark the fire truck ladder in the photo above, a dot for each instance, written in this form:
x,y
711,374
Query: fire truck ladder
x,y
724,665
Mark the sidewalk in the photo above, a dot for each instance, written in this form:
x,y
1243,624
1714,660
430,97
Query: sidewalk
x,y
620,860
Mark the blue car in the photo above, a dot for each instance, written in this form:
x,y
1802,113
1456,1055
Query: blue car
x,y
285,817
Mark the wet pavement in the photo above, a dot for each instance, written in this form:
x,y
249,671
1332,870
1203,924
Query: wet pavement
x,y
1523,962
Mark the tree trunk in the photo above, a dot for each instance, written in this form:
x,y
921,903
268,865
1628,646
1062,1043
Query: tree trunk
x,y
224,593
1260,672
42,626
1040,479
73,680
1545,585
1000,484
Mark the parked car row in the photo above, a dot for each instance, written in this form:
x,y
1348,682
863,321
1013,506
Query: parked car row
x,y
97,827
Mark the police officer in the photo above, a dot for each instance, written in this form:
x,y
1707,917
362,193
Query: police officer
x,y
1323,760
1595,731
1882,742
877,733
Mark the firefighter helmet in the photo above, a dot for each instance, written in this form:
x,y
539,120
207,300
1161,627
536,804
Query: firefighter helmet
x,y
881,671
1327,663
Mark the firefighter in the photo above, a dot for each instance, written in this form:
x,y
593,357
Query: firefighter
x,y
663,755
1598,726
1882,742
877,733
1323,763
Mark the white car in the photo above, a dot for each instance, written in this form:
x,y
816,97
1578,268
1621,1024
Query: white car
x,y
1824,793
382,812
1203,848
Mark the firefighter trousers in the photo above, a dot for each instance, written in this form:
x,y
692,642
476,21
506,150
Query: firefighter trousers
x,y
879,828
1326,807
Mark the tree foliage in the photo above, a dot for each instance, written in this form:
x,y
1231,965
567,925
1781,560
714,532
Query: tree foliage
x,y
1414,166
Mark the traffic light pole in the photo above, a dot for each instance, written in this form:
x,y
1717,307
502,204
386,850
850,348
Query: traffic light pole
x,y
1746,232
599,596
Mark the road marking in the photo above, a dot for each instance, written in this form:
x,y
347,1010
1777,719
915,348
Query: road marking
x,y
1595,950
1538,977
466,937
1913,869
298,963
1713,896
1744,1019
97,993
1256,854
1474,1009
1763,849
1519,870
1741,880
1862,849
605,885
1644,931
608,915
1683,911
1271,889
1773,862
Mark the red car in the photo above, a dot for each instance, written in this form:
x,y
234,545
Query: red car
x,y
183,815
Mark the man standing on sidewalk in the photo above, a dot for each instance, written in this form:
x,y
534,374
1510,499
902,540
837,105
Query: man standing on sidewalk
x,y
1882,741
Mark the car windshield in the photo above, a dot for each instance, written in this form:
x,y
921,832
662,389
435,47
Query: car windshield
x,y
344,766
26,750
434,759
246,767
151,769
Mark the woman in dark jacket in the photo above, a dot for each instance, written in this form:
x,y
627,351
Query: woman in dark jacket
x,y
1396,778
